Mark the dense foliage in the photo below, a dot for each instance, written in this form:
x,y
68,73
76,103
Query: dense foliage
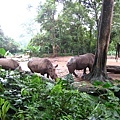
x,y
29,97
74,29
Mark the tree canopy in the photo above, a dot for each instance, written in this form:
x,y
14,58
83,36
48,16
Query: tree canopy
x,y
74,28
8,43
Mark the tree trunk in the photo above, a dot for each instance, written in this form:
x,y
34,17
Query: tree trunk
x,y
99,71
52,32
117,52
54,51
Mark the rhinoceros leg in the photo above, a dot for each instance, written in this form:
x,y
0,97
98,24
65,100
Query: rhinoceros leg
x,y
42,74
84,72
90,68
75,74
32,71
47,75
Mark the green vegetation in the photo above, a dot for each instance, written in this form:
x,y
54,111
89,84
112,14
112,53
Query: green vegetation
x,y
72,31
25,97
29,97
2,52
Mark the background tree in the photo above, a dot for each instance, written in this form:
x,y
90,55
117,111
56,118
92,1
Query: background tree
x,y
46,18
115,36
99,68
74,28
8,43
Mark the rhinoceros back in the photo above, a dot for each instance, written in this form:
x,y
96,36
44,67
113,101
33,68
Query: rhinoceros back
x,y
8,64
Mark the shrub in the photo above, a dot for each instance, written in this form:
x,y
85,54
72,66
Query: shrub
x,y
32,98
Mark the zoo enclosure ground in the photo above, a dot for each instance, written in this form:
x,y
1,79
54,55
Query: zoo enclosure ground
x,y
62,69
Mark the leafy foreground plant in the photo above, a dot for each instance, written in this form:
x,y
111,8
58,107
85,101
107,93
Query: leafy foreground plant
x,y
4,105
31,98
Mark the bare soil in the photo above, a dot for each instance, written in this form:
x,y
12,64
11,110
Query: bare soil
x,y
62,70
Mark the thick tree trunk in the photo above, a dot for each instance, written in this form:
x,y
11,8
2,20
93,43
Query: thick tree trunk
x,y
99,71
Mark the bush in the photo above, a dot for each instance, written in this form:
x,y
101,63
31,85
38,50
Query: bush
x,y
32,98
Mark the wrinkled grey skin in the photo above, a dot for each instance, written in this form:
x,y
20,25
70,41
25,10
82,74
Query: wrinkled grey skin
x,y
43,66
9,64
80,62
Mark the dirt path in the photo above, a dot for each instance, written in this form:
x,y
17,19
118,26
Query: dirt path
x,y
62,69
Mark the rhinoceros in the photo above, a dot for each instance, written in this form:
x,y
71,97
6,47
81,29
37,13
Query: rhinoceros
x,y
80,62
9,64
43,66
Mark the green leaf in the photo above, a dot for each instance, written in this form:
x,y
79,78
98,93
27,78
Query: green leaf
x,y
35,80
24,92
5,107
2,51
107,85
1,101
97,83
56,89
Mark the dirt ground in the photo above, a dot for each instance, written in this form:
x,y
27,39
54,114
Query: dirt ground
x,y
62,70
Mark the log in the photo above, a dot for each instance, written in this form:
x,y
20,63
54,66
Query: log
x,y
92,90
113,69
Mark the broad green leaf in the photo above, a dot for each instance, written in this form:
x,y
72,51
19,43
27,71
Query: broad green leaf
x,y
2,51
5,107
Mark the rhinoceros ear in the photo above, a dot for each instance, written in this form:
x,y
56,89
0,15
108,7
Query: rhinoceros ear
x,y
56,65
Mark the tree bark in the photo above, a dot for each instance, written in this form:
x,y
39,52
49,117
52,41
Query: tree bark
x,y
54,51
99,71
96,92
